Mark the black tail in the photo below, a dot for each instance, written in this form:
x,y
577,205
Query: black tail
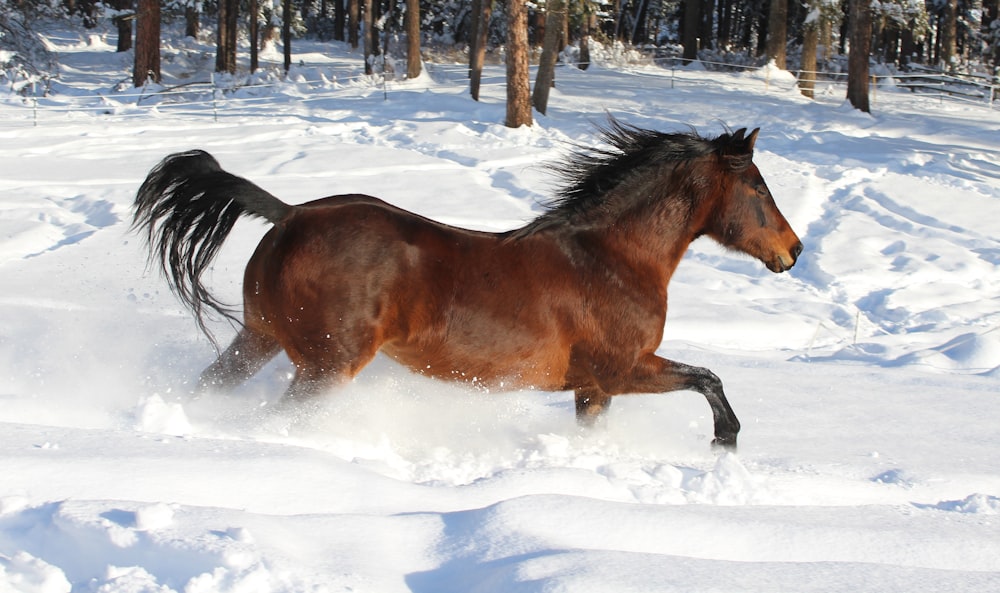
x,y
187,206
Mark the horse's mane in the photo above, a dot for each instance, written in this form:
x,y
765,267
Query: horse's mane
x,y
588,173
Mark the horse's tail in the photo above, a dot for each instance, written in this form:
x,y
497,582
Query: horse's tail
x,y
187,206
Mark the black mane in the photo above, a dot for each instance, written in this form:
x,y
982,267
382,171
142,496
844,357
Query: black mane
x,y
588,173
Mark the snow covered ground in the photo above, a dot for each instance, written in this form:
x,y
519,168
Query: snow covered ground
x,y
866,378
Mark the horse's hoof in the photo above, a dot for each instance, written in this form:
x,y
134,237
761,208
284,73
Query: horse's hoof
x,y
724,444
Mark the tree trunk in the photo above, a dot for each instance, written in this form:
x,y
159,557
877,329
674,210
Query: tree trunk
x,y
518,86
254,36
339,16
368,35
949,29
763,21
192,22
857,61
412,38
588,26
777,32
992,8
707,23
225,54
124,24
807,76
825,41
555,23
616,23
475,14
478,55
353,22
147,43
908,47
638,34
286,33
725,24
692,26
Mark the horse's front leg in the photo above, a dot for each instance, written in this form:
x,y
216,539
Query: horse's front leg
x,y
658,375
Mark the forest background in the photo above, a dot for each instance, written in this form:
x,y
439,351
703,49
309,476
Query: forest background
x,y
810,37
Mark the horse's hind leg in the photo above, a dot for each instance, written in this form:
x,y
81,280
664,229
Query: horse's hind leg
x,y
246,355
327,362
309,382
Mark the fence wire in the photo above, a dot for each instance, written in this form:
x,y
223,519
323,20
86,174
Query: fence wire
x,y
211,98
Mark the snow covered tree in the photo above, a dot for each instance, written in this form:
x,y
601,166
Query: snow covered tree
x,y
24,59
191,9
899,25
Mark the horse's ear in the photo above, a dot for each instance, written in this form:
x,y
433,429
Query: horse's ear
x,y
739,152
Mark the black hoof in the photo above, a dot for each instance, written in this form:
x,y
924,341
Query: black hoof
x,y
727,444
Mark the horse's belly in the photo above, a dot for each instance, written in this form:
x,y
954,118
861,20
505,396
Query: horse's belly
x,y
486,366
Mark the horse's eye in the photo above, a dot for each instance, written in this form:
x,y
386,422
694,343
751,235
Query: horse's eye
x,y
761,190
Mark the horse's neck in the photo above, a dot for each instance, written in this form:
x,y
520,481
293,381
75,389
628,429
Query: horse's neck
x,y
656,233
646,247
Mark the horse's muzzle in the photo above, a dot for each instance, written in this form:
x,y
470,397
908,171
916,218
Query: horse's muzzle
x,y
784,262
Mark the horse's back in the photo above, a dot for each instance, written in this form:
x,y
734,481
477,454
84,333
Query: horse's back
x,y
353,248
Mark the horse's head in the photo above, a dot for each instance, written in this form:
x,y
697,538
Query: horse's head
x,y
744,215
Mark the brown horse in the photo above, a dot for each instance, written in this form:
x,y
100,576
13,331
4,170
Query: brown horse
x,y
576,300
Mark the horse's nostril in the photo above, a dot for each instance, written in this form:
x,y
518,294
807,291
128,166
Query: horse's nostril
x,y
797,250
